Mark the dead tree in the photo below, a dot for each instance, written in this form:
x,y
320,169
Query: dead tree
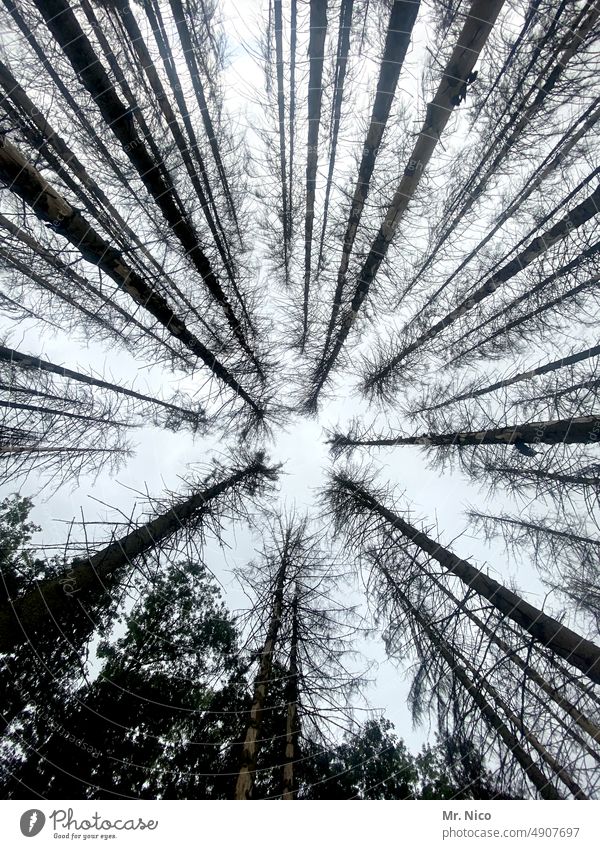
x,y
300,629
67,31
316,54
584,430
292,695
87,578
568,42
477,26
49,206
351,500
245,780
341,63
539,704
384,368
564,550
477,390
29,364
402,19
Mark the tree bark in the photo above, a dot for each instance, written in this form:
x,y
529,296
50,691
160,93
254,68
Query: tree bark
x,y
555,365
552,162
400,26
33,363
291,721
316,53
578,216
245,780
190,58
510,134
580,430
553,635
541,475
51,207
54,599
479,21
475,690
343,50
528,669
278,27
66,30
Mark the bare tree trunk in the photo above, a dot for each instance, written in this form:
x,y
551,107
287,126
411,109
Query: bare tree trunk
x,y
543,476
555,636
400,26
528,670
477,27
519,523
580,260
343,48
66,30
245,780
33,363
292,105
583,429
555,365
55,598
48,411
286,213
542,87
51,207
475,690
316,53
291,721
578,216
551,163
190,58
589,284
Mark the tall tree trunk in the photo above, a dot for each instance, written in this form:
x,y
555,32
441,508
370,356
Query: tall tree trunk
x,y
343,49
48,411
182,357
55,599
475,687
528,669
190,58
380,373
33,363
547,368
286,214
245,780
399,32
51,207
477,27
531,526
551,163
316,54
157,24
589,284
292,106
555,636
586,254
506,139
291,716
76,111
189,151
66,30
583,429
542,475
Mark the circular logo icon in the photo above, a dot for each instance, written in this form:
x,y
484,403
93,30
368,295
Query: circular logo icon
x,y
32,822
